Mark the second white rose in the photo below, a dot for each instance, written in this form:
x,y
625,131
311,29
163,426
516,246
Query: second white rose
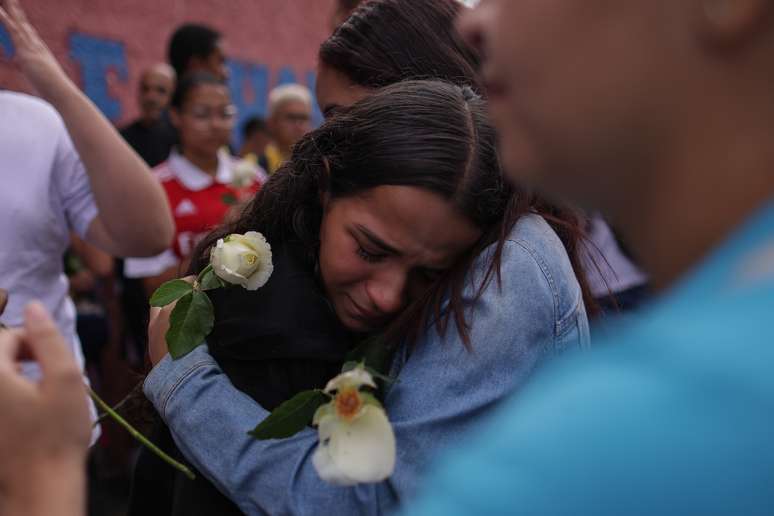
x,y
243,260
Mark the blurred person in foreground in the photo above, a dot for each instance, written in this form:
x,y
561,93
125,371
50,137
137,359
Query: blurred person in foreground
x,y
668,132
151,135
64,169
290,116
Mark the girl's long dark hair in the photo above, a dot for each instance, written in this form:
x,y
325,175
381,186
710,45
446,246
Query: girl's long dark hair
x,y
387,41
425,134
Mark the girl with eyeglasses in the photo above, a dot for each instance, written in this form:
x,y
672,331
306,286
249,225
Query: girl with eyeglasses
x,y
201,178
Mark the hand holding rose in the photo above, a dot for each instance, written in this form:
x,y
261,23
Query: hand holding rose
x,y
357,443
187,315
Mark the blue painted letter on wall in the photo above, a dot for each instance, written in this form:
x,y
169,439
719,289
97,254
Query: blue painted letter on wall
x,y
96,56
5,42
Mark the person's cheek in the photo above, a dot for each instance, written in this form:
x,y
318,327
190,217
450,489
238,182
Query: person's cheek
x,y
342,262
225,134
326,262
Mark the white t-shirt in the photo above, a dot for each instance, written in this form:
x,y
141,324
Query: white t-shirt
x,y
611,270
45,195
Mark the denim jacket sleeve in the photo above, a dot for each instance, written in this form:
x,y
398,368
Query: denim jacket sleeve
x,y
441,392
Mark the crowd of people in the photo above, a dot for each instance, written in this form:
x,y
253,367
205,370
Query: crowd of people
x,y
556,219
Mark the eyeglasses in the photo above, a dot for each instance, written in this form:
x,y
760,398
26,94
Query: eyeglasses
x,y
203,115
295,118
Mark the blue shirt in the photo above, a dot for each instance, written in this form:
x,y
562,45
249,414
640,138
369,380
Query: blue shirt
x,y
441,392
674,415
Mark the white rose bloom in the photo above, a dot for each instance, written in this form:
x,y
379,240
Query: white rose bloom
x,y
245,172
243,260
356,378
357,444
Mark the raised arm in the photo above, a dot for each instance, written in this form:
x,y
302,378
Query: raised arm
x,y
134,217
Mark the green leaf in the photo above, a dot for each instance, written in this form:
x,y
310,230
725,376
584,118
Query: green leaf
x,y
292,416
169,292
211,281
190,323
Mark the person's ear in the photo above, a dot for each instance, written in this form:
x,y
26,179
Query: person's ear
x,y
728,22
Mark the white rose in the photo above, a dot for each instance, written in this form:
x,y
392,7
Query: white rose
x,y
243,260
245,172
357,443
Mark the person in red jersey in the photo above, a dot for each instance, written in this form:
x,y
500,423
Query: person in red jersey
x,y
202,180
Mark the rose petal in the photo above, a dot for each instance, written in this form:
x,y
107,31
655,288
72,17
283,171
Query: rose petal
x,y
243,260
256,241
260,276
233,256
327,469
322,412
356,378
363,450
229,276
323,462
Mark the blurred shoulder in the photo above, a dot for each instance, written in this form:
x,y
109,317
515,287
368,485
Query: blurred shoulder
x,y
20,110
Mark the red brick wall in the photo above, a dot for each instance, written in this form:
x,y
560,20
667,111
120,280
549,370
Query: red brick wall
x,y
270,41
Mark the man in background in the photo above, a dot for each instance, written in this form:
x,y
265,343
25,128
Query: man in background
x,y
197,48
151,135
290,116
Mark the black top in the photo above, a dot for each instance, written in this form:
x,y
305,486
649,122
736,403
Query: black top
x,y
272,343
153,143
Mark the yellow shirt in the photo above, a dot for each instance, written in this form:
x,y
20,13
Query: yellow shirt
x,y
274,158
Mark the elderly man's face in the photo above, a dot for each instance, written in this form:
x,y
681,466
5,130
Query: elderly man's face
x,y
291,121
155,92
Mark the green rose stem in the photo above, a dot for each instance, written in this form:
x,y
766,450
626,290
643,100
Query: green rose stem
x,y
118,405
200,278
137,435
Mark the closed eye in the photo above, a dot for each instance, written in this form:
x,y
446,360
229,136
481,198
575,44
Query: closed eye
x,y
369,256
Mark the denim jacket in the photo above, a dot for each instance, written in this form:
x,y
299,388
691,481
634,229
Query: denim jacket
x,y
441,391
